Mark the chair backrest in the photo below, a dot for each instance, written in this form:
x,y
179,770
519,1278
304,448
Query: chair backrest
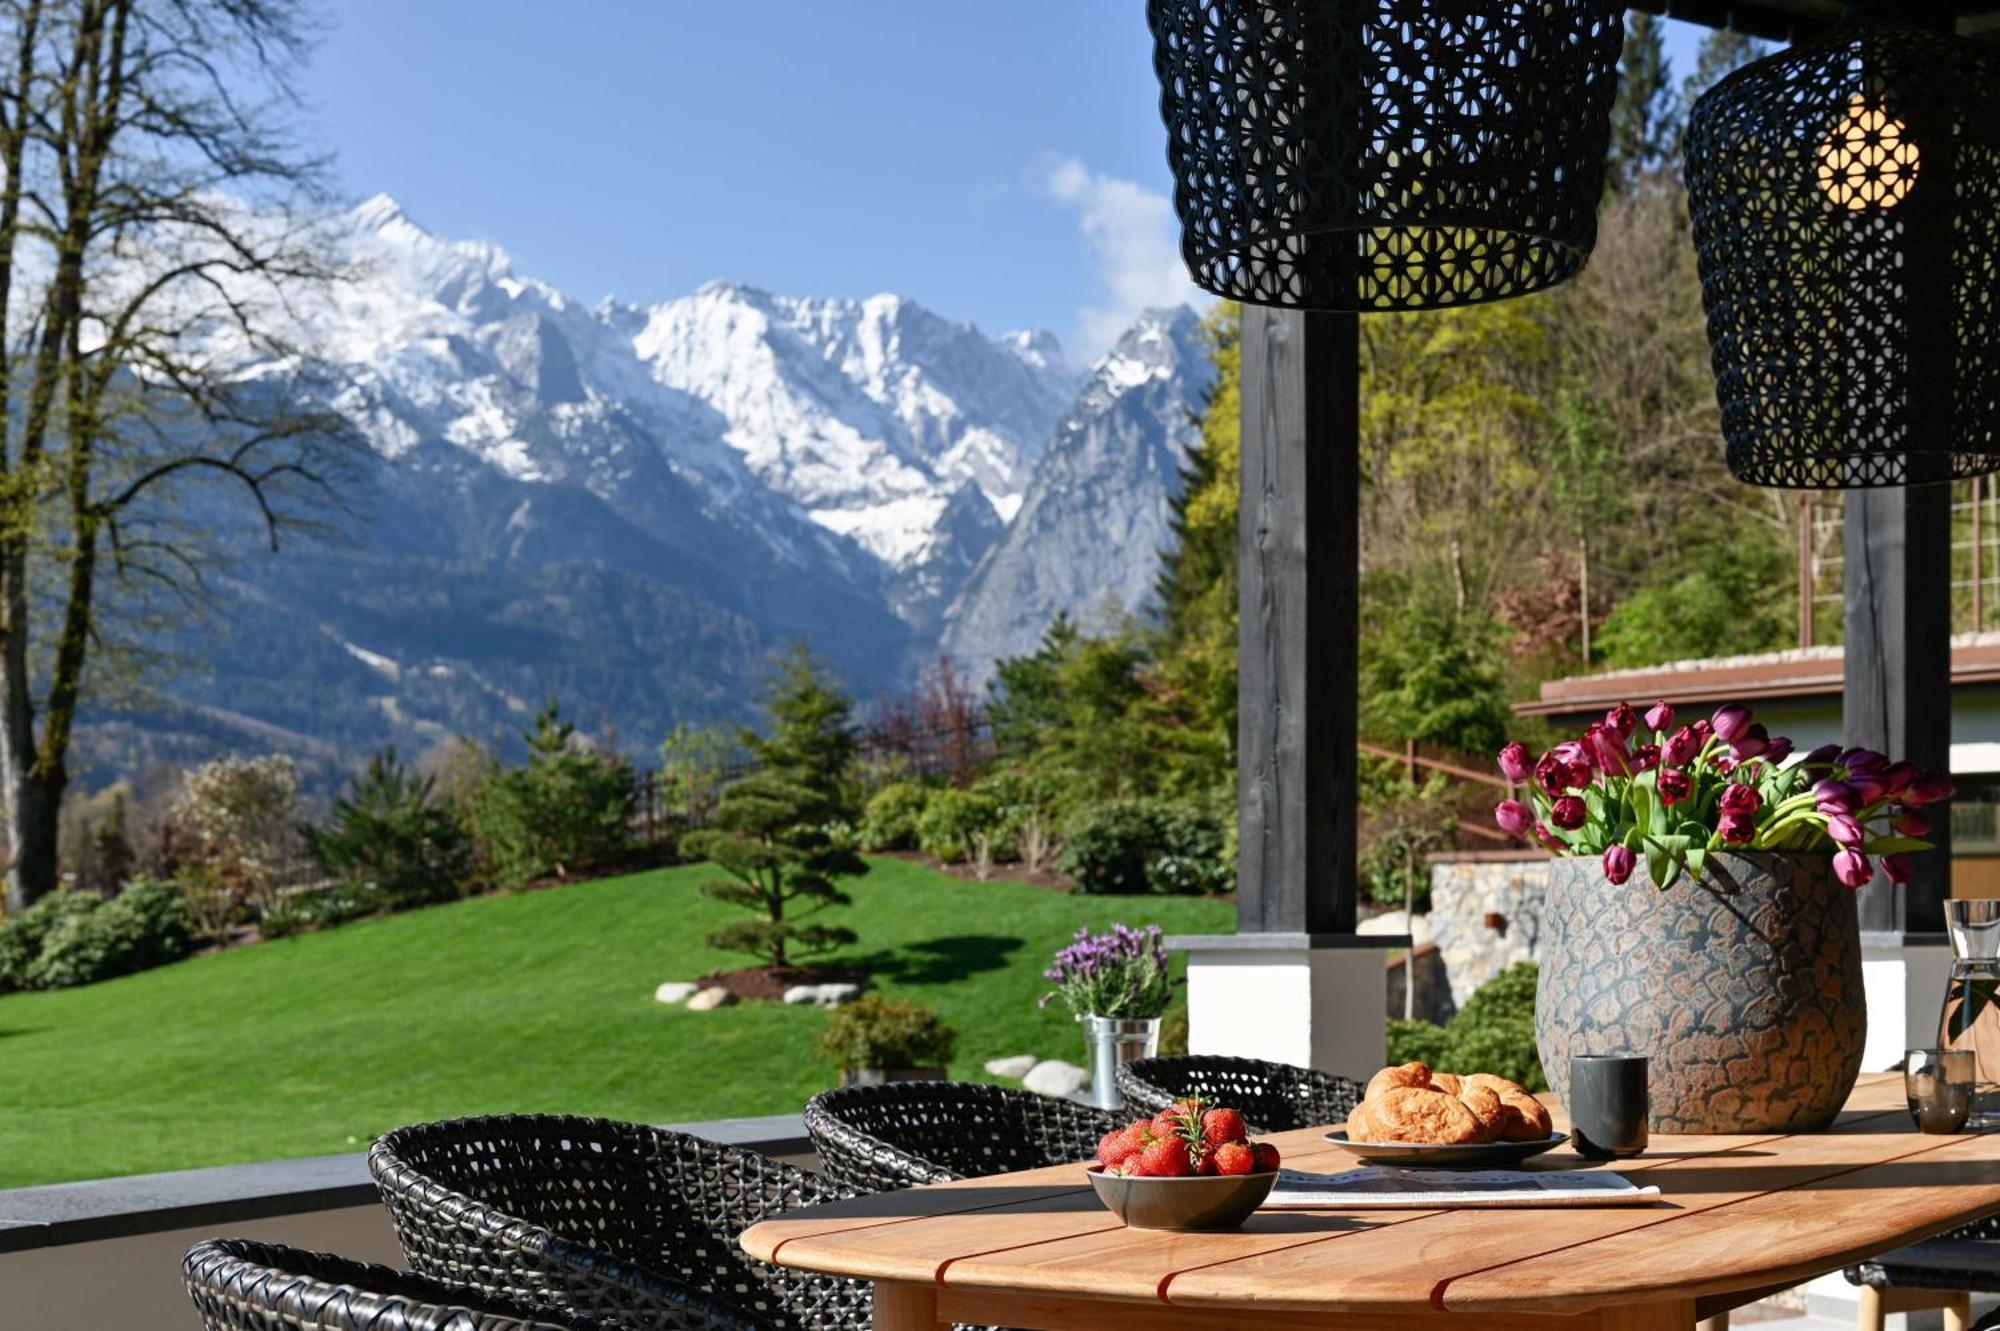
x,y
621,1219
899,1135
1272,1097
238,1285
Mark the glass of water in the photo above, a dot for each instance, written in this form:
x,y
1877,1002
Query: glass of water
x,y
1938,1084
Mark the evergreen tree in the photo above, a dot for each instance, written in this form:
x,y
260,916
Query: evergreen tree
x,y
390,840
811,739
1644,121
568,808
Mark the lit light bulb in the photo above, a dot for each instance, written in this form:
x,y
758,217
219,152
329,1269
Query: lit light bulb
x,y
1867,161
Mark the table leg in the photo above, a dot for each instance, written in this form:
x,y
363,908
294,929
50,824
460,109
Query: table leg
x,y
900,1306
1958,1313
1672,1315
1720,1322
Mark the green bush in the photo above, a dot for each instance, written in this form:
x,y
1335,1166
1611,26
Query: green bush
x,y
951,819
92,939
1146,845
568,809
22,935
391,841
877,1032
890,820
1494,1032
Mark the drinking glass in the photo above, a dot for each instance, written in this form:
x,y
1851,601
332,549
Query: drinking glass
x,y
1970,1019
1939,1085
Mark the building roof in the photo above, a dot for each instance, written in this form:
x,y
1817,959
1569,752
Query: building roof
x,y
1795,20
1806,672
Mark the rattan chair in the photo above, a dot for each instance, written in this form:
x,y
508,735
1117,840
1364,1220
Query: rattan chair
x,y
879,1138
628,1223
1272,1097
237,1285
1938,1273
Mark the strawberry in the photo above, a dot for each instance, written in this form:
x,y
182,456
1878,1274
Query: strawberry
x,y
1267,1156
1166,1123
1234,1158
1224,1125
1166,1158
1207,1167
1115,1149
1139,1136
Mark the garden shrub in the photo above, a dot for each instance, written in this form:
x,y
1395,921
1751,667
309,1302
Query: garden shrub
x,y
951,819
890,820
83,938
877,1032
390,841
1146,845
22,935
247,818
568,809
1494,1032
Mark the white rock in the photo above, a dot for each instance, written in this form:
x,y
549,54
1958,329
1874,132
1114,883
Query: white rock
x,y
1053,1077
709,999
1392,922
833,995
802,993
1017,1067
675,991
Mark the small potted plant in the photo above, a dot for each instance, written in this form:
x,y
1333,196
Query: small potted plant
x,y
875,1040
1118,985
1700,907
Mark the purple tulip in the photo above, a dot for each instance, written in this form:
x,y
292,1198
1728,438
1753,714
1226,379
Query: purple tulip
x,y
1681,747
1751,742
1703,731
1927,788
1778,750
1834,796
1659,717
1899,776
1741,799
1912,823
1738,828
1674,786
1552,774
1867,786
1607,749
1622,719
1851,867
1823,756
1731,721
1569,813
1646,757
1619,861
1514,762
1863,760
1514,818
1549,839
1897,867
1844,829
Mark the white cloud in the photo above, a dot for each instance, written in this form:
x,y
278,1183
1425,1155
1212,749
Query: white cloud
x,y
1133,233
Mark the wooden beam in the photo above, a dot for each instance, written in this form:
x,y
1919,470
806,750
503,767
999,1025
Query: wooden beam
x,y
1299,552
1897,689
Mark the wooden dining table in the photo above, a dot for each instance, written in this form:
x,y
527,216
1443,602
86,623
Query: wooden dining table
x,y
1738,1219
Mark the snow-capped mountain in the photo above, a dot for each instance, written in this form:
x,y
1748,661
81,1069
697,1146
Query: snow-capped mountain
x,y
630,506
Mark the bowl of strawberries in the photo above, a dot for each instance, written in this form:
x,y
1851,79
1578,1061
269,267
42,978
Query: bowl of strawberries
x,y
1192,1166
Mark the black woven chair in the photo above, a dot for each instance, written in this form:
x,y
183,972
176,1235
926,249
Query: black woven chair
x,y
1272,1097
879,1138
238,1285
1962,1261
631,1224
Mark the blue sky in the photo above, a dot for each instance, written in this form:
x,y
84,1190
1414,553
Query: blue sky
x,y
1002,163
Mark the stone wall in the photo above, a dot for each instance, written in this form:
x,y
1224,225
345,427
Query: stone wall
x,y
1486,914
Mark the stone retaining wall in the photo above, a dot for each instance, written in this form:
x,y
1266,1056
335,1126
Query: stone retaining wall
x,y
1486,914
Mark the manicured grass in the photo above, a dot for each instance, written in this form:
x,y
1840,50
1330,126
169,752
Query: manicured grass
x,y
537,1002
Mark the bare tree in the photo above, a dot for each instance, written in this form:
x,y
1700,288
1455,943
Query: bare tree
x,y
151,254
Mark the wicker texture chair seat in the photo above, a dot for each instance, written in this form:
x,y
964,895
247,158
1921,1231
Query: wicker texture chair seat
x,y
237,1285
1272,1097
880,1138
634,1225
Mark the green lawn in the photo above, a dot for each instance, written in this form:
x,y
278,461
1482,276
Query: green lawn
x,y
537,1002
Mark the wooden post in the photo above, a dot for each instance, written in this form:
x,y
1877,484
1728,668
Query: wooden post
x,y
1299,552
1978,560
1897,695
1806,578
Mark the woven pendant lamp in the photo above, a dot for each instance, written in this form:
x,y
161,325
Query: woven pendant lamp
x,y
1385,154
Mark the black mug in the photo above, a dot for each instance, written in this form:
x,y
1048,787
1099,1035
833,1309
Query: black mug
x,y
1607,1105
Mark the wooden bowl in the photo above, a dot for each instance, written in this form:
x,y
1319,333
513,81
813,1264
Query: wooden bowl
x,y
1215,1202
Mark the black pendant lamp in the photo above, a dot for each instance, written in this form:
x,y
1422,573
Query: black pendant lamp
x,y
1385,154
1846,204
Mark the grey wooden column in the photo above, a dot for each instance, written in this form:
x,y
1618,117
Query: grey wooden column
x,y
1897,694
1299,559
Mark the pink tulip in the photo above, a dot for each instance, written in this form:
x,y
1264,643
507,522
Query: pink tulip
x,y
1681,747
1552,774
1646,757
1674,786
1851,867
1751,742
1737,828
1913,823
1622,719
1619,862
1514,762
1549,839
1607,749
1844,829
1897,867
1569,813
1741,799
1576,752
1834,796
1927,788
1703,731
1514,818
1731,721
1659,717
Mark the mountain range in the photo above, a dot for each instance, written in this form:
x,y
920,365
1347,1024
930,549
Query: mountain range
x,y
631,507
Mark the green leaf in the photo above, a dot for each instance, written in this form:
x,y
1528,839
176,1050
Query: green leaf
x,y
1892,845
1657,862
1697,862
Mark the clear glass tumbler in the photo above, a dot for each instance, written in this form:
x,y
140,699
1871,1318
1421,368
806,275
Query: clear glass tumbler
x,y
1938,1086
1970,1019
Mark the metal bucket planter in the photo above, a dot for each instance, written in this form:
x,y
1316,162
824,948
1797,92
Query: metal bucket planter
x,y
1116,1040
1743,990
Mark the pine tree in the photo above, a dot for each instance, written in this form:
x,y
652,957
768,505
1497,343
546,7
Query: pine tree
x,y
1644,128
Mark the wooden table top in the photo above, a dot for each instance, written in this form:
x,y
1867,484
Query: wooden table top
x,y
1738,1215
